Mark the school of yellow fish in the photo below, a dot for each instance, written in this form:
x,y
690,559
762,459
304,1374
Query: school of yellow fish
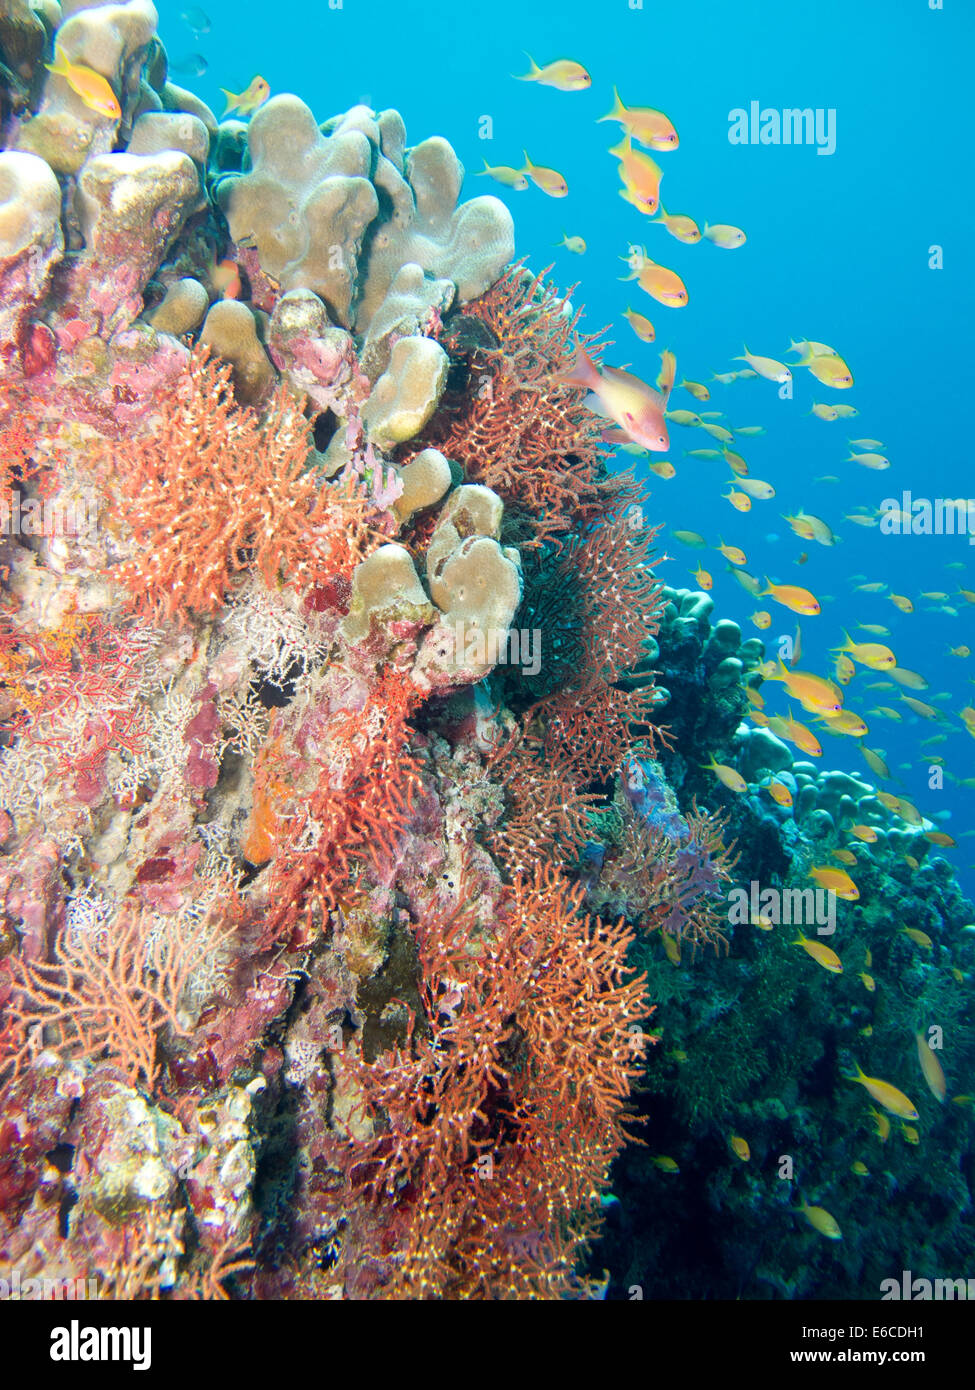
x,y
638,417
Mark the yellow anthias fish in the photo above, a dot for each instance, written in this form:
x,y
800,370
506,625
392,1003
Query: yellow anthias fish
x,y
820,1220
875,461
910,679
646,125
860,1169
791,596
824,412
735,462
766,367
823,955
686,418
798,734
671,948
254,95
550,181
696,389
664,469
881,1125
910,1134
505,175
846,412
779,793
869,983
634,406
564,75
872,654
931,1068
740,1147
866,833
959,651
739,500
920,938
691,538
727,237
919,707
640,174
751,585
661,284
682,228
830,371
844,856
754,697
641,325
704,580
940,838
761,619
575,244
93,89
845,669
732,553
815,693
836,881
719,432
902,602
845,723
665,1163
727,776
893,1100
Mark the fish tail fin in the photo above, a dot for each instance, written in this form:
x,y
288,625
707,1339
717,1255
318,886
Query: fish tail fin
x,y
232,100
529,166
533,70
581,370
60,64
618,112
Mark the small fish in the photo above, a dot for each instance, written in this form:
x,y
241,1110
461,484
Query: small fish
x,y
799,600
920,938
875,629
690,538
860,1169
740,1147
661,284
837,881
846,412
704,579
550,181
750,429
192,65
671,948
575,244
881,1125
940,838
766,367
649,127
739,500
959,651
875,461
866,443
727,776
910,679
830,371
640,174
869,983
779,793
820,1220
721,234
682,228
93,89
249,100
823,955
505,175
641,325
845,669
757,488
225,278
825,412
636,408
702,453
696,389
751,585
196,19
931,1069
686,418
717,431
919,707
872,654
762,619
663,469
732,553
892,1100
902,602
866,833
910,1134
844,856
665,1163
564,75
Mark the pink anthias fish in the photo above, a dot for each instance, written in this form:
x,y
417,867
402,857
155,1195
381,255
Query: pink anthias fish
x,y
630,403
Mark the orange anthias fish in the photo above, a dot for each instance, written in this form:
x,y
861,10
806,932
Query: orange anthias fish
x,y
814,693
550,181
663,285
837,881
564,75
931,1068
643,123
886,1095
94,89
796,733
640,175
800,601
248,101
636,408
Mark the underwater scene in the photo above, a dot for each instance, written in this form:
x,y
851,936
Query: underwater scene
x,y
487,692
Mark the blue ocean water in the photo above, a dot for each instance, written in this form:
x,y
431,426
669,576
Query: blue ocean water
x,y
839,249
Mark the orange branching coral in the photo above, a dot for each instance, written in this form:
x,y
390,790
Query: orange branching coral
x,y
214,491
545,818
519,429
355,811
111,990
495,1128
